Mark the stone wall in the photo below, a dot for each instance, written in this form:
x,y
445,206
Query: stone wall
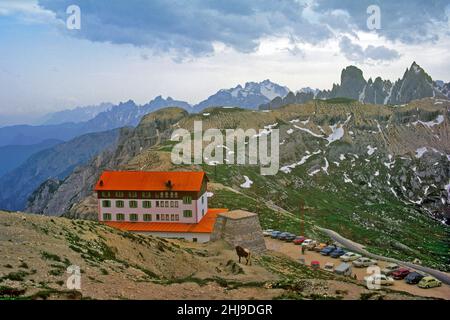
x,y
240,228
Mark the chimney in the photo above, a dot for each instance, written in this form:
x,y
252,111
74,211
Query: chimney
x,y
169,184
101,183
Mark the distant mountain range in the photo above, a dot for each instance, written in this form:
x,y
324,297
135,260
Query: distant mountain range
x,y
55,162
122,115
13,156
79,114
250,96
415,84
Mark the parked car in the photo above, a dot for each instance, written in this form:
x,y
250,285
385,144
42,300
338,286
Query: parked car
x,y
414,278
327,250
350,256
380,279
329,266
290,237
344,269
275,234
337,253
319,247
298,240
400,273
391,267
309,244
283,235
268,232
315,264
364,262
429,282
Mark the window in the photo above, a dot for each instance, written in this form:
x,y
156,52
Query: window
x,y
176,204
106,204
167,217
157,217
166,204
147,204
133,204
106,194
172,218
166,195
120,217
107,216
132,194
203,212
133,217
176,194
161,195
119,194
147,217
187,213
187,200
120,204
157,204
177,217
171,204
163,217
146,195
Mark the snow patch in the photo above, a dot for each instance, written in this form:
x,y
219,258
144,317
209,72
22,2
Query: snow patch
x,y
430,124
288,168
420,152
309,131
247,184
313,172
327,165
347,179
371,150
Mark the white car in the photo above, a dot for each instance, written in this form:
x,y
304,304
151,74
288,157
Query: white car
x,y
390,268
267,232
378,279
309,243
364,262
349,256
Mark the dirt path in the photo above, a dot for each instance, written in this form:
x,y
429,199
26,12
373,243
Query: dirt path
x,y
294,252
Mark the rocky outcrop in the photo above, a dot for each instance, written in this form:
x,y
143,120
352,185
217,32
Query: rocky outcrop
x,y
415,84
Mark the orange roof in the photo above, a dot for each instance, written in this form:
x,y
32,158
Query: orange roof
x,y
150,180
206,225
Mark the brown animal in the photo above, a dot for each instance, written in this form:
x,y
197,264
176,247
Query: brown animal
x,y
243,252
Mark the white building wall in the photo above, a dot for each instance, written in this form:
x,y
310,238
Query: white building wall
x,y
198,209
201,237
202,206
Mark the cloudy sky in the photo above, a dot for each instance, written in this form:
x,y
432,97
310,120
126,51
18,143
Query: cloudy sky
x,y
189,49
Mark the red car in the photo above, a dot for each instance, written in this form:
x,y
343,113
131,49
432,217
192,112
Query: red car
x,y
298,240
400,273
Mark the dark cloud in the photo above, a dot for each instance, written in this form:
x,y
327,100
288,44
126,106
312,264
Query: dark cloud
x,y
188,28
409,21
357,53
